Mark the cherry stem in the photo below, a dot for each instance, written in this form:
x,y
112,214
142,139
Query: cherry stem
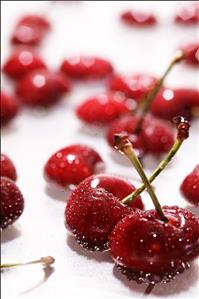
x,y
149,97
124,145
182,134
45,261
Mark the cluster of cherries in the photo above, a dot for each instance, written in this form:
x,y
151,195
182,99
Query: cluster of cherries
x,y
106,212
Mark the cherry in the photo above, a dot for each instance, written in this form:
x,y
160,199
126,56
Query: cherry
x,y
9,108
7,168
188,15
190,186
21,62
135,86
104,108
155,137
30,30
86,67
12,202
72,164
172,102
191,52
151,250
42,87
94,208
139,19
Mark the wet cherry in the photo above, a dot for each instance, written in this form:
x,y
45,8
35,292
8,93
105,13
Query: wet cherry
x,y
190,186
7,168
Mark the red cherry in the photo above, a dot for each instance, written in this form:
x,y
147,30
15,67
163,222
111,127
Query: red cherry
x,y
22,62
12,202
172,102
190,186
104,108
30,30
9,108
150,250
188,15
135,86
191,52
93,209
7,168
42,88
86,67
140,19
72,164
156,136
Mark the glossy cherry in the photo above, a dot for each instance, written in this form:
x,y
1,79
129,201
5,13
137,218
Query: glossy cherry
x,y
94,208
155,137
9,108
72,164
149,249
139,19
188,15
7,168
42,87
177,101
104,108
12,202
30,30
135,86
190,186
86,67
21,62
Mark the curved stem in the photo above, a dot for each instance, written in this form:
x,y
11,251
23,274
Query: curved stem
x,y
45,261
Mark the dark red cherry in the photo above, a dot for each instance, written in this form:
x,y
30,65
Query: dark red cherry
x,y
7,168
190,186
94,208
9,108
72,164
104,108
150,250
21,62
86,67
188,15
42,88
135,86
139,19
172,102
30,30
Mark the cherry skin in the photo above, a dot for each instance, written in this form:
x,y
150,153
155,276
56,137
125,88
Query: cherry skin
x,y
21,62
94,208
191,52
42,88
190,186
139,19
9,108
155,137
86,67
135,86
30,30
150,250
104,108
188,15
12,202
72,164
172,102
7,168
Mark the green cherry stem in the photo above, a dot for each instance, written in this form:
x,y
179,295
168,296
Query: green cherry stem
x,y
124,146
149,97
45,261
182,134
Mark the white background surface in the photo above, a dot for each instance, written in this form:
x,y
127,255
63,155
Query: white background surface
x,y
86,28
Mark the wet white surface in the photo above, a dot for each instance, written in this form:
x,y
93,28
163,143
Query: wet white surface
x,y
86,28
